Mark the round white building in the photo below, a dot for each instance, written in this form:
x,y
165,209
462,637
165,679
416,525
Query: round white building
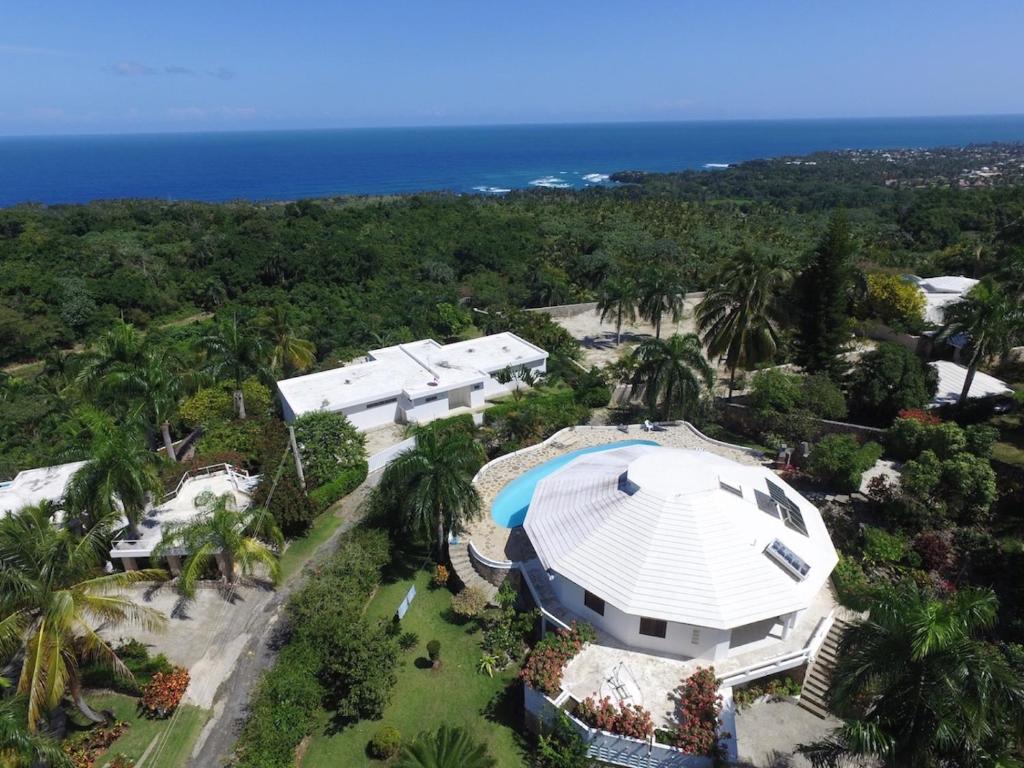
x,y
683,553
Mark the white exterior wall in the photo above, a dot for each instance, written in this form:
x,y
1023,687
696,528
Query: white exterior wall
x,y
713,644
367,418
419,411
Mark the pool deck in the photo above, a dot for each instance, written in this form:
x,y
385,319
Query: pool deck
x,y
502,544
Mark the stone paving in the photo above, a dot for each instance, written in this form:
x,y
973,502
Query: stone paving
x,y
503,544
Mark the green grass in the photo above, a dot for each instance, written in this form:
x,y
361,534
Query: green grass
x,y
424,699
300,550
172,751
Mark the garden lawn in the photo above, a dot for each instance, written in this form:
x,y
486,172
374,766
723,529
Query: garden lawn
x,y
422,699
299,551
175,745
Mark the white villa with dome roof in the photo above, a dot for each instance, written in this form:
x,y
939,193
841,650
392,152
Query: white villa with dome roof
x,y
682,553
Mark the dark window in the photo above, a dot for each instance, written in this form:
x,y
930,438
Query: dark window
x,y
653,627
381,402
593,602
430,399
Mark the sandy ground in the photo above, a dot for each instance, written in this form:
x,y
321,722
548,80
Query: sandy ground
x,y
769,733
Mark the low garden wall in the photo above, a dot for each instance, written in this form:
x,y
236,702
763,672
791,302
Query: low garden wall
x,y
381,459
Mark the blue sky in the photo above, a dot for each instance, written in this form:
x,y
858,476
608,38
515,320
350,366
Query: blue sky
x,y
119,67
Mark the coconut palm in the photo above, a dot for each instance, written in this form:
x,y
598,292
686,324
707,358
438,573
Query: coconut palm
x,y
671,371
239,540
617,300
233,353
661,291
53,592
447,748
431,485
920,688
288,352
988,320
122,346
158,386
737,316
19,747
119,478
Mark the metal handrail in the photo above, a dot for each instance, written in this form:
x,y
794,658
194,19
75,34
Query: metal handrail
x,y
211,469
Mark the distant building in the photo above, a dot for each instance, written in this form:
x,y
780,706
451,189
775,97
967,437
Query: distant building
x,y
951,383
34,486
413,383
940,292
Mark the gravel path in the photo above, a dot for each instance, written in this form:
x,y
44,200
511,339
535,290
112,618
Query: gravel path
x,y
217,740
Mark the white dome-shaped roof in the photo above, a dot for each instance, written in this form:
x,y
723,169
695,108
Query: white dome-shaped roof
x,y
684,536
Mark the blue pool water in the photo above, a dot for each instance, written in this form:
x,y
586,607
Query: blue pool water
x,y
510,505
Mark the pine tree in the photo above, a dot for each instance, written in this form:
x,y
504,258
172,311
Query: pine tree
x,y
822,295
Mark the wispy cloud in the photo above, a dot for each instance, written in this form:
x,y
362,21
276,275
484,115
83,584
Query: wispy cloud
x,y
210,113
136,69
130,69
173,70
29,50
222,73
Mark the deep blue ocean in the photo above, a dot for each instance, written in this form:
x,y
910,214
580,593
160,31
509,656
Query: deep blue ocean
x,y
285,165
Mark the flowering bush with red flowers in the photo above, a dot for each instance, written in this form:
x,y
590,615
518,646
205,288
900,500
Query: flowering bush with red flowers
x,y
83,747
546,662
698,705
916,414
626,719
163,694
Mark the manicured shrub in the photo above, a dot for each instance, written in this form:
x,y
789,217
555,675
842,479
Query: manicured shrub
x,y
163,693
624,719
441,575
698,705
386,743
775,390
546,662
328,444
341,486
434,650
408,640
470,602
840,461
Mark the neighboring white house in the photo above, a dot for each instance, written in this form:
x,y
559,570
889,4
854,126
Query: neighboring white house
x,y
951,383
680,553
413,383
940,292
37,485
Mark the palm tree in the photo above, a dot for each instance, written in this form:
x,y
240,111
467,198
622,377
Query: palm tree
x,y
673,371
122,346
53,591
431,484
119,478
447,748
661,290
921,688
617,301
234,353
239,540
288,352
988,319
19,747
737,316
159,385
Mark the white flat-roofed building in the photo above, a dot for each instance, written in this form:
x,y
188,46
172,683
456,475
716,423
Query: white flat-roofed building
x,y
34,486
680,553
413,383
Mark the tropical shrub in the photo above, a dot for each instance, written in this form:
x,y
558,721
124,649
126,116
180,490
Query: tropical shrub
x,y
853,588
888,380
980,438
408,640
213,405
562,746
776,688
171,473
84,747
292,509
820,395
470,602
163,693
329,445
440,575
841,461
344,482
775,390
882,547
546,662
386,742
624,719
895,301
698,705
434,650
136,657
242,437
935,551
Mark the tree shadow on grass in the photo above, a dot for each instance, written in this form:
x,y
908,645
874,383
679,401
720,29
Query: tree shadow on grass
x,y
506,708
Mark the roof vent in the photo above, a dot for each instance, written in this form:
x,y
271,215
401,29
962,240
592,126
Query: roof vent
x,y
734,489
432,383
348,381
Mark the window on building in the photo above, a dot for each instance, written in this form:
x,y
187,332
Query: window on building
x,y
381,402
593,602
695,636
653,627
430,399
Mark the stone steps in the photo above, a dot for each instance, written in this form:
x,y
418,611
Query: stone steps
x,y
462,564
814,693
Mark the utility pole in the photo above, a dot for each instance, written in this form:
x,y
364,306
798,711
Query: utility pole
x,y
298,459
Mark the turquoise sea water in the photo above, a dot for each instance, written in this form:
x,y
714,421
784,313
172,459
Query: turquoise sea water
x,y
512,502
286,165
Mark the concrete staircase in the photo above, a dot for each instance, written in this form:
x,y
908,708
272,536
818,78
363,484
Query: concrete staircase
x,y
814,695
462,564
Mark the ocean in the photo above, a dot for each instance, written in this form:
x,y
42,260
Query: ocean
x,y
286,165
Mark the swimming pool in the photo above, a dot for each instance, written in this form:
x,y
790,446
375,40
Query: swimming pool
x,y
510,505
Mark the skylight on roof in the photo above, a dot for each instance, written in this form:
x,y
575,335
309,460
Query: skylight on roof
x,y
766,503
788,559
730,488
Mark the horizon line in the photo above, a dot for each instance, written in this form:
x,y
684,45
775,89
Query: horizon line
x,y
524,124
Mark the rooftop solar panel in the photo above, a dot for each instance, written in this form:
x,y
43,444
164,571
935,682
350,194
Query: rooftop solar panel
x,y
766,503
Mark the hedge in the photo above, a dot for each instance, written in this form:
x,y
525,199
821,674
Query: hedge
x,y
347,481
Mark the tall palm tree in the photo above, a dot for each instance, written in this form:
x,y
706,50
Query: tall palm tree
x,y
19,747
288,352
158,385
119,478
662,290
431,484
53,592
617,300
988,319
122,346
737,316
920,688
238,540
232,352
673,371
447,748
